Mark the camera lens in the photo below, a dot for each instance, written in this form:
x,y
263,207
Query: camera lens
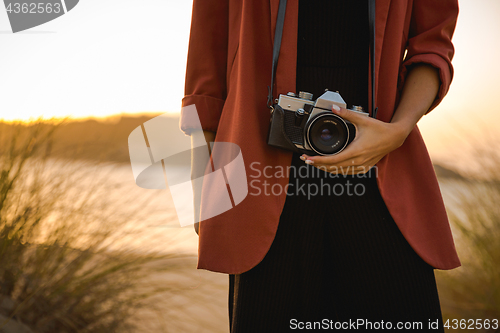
x,y
327,134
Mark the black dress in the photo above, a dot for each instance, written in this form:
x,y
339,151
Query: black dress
x,y
337,256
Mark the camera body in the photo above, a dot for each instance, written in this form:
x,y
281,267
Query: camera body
x,y
310,127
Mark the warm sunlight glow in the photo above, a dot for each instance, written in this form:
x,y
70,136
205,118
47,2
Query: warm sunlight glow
x,y
118,66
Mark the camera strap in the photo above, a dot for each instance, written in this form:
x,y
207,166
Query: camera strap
x,y
276,50
371,23
277,45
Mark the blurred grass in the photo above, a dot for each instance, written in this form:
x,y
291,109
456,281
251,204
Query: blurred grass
x,y
64,261
473,203
67,264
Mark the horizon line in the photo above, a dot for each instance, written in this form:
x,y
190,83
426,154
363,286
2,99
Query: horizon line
x,y
88,117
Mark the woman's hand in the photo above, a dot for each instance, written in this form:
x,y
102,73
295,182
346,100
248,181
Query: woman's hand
x,y
374,139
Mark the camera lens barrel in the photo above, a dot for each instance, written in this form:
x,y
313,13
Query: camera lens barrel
x,y
327,134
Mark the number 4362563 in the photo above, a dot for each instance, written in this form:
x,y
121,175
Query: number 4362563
x,y
34,8
471,324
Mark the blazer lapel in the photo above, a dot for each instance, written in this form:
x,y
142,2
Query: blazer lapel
x,y
381,13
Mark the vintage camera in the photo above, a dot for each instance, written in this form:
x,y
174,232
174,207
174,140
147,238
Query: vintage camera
x,y
310,127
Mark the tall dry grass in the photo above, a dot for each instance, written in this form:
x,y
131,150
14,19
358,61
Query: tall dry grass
x,y
64,261
473,202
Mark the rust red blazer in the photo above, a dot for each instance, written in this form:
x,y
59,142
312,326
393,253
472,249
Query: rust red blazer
x,y
228,72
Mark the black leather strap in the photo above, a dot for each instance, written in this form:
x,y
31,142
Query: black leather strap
x,y
371,23
276,50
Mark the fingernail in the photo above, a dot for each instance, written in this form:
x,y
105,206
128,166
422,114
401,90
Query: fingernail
x,y
335,107
309,162
303,158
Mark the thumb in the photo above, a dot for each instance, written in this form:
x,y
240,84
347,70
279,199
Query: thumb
x,y
352,116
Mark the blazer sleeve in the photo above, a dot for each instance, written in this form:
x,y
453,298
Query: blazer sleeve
x,y
205,85
431,29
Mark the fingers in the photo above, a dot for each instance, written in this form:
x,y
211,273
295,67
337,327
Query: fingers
x,y
346,157
345,170
351,167
362,153
352,116
345,161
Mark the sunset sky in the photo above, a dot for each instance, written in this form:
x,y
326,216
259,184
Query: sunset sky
x,y
109,57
